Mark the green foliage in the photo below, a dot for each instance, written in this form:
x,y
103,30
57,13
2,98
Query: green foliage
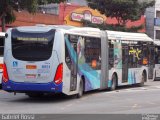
x,y
122,10
7,8
115,27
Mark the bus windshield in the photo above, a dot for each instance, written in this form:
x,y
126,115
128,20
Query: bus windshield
x,y
29,46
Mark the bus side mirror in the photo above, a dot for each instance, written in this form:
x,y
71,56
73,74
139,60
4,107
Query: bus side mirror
x,y
68,60
6,35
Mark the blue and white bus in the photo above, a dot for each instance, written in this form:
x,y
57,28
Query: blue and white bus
x,y
157,60
72,60
131,58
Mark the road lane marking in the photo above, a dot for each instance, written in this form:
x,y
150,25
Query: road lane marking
x,y
157,87
133,90
62,108
151,103
3,91
69,105
143,88
77,101
135,106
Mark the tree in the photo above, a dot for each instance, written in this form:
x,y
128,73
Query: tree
x,y
122,10
7,8
115,27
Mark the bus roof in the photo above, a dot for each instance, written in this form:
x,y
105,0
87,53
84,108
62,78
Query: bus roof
x,y
86,31
157,42
2,34
42,28
116,35
66,27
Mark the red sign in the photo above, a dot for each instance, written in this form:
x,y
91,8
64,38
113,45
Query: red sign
x,y
97,20
86,16
76,17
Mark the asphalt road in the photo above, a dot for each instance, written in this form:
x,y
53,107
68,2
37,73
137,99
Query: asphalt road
x,y
125,100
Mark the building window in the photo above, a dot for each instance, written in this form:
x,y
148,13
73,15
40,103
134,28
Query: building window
x,y
158,34
157,14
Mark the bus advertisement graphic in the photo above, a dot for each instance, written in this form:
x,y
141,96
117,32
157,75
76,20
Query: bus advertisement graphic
x,y
117,55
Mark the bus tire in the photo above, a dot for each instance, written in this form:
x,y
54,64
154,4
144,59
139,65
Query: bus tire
x,y
143,79
114,82
80,90
154,76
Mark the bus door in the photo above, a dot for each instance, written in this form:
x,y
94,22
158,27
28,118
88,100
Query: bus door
x,y
74,64
125,53
151,61
157,61
71,59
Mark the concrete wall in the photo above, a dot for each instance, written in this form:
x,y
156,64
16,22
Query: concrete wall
x,y
24,18
150,13
78,2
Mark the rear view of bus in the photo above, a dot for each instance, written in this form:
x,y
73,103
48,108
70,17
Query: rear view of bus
x,y
31,64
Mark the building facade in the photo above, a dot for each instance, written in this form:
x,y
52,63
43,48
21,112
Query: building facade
x,y
70,13
150,14
78,2
157,21
153,21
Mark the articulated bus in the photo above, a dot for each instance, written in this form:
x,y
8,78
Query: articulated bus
x,y
131,58
72,60
2,36
157,59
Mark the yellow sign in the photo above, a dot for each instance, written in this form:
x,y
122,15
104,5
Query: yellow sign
x,y
31,67
84,13
32,39
135,52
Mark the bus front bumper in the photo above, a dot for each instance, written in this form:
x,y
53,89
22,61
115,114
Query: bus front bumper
x,y
12,86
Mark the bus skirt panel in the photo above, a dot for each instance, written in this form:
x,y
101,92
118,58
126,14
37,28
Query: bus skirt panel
x,y
12,86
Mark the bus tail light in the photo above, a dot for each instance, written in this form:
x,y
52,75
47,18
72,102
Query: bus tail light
x,y
59,74
5,73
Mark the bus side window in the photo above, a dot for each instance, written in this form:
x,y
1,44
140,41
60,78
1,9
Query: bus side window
x,y
111,53
67,57
145,55
135,56
157,55
151,55
131,57
73,42
92,52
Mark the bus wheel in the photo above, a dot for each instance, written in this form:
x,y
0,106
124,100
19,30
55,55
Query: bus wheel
x,y
154,76
35,95
114,82
143,79
80,91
